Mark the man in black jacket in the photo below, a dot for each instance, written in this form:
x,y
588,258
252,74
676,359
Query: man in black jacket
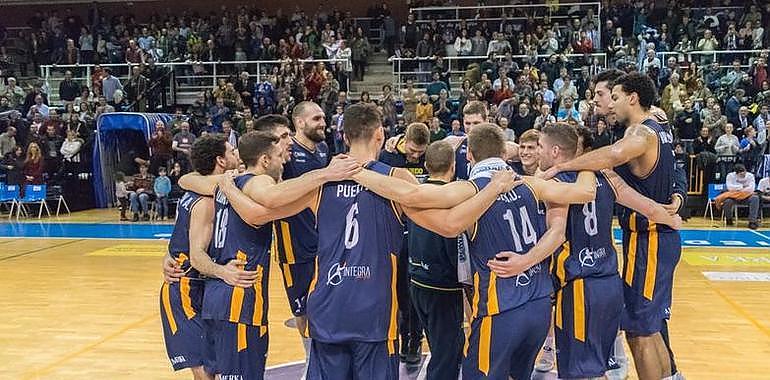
x,y
68,88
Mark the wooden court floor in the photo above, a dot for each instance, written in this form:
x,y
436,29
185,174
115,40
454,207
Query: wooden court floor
x,y
75,308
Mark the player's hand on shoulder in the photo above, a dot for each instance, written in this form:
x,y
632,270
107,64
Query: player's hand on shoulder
x,y
234,275
676,222
172,272
342,167
390,145
659,114
547,174
505,180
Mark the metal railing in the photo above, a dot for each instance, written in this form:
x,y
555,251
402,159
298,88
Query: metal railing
x,y
709,56
455,67
470,12
187,78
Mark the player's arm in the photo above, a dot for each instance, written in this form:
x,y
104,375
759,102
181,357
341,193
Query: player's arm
x,y
509,264
631,146
451,222
201,228
201,184
255,213
404,189
679,197
628,197
583,190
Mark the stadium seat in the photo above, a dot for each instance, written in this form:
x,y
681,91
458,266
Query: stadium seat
x,y
9,194
33,194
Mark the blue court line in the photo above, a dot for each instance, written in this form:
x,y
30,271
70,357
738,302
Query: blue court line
x,y
142,231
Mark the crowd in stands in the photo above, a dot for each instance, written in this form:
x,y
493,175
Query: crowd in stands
x,y
535,71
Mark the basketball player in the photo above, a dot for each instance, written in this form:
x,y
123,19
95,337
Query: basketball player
x,y
496,350
409,150
474,113
237,316
528,153
589,296
648,277
296,237
181,300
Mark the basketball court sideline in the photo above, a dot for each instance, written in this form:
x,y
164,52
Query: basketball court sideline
x,y
79,298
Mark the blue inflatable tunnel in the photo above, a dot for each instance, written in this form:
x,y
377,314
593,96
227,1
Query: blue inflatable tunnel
x,y
118,134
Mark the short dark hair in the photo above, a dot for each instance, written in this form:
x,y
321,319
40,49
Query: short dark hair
x,y
360,121
475,107
563,135
586,138
739,168
609,76
205,151
417,133
253,145
269,123
486,141
439,157
640,84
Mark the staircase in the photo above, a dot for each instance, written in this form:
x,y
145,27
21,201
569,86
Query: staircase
x,y
379,72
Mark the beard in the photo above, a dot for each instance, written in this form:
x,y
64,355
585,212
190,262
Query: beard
x,y
315,135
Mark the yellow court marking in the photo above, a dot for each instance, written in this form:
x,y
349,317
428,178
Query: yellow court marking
x,y
726,259
153,250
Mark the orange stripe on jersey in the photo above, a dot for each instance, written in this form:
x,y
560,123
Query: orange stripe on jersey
x,y
287,277
579,316
485,340
561,269
181,259
475,295
652,262
558,313
258,300
274,246
184,292
392,326
242,345
262,331
315,278
631,257
492,305
236,303
164,296
288,249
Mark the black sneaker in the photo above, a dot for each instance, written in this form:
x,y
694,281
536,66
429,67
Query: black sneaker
x,y
753,225
730,222
146,217
135,218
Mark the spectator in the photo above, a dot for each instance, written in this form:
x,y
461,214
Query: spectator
x,y
7,141
162,187
522,121
13,166
688,124
51,144
121,193
457,128
140,191
603,136
545,117
727,144
182,145
764,190
742,121
651,62
740,186
567,111
435,87
231,135
673,96
33,165
761,122
110,84
119,102
750,150
68,88
424,110
39,107
160,145
219,112
436,132
360,50
338,133
715,121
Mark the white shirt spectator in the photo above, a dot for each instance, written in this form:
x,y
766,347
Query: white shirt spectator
x,y
764,185
727,145
747,184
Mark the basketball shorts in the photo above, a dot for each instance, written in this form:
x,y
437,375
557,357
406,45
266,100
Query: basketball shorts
x,y
352,360
507,344
650,258
183,328
586,322
240,350
296,280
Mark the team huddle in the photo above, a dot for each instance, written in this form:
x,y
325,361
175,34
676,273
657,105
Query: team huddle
x,y
533,251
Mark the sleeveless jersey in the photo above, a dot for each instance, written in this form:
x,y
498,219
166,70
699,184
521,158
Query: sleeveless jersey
x,y
514,222
353,293
658,185
179,244
233,238
398,159
590,249
296,238
462,165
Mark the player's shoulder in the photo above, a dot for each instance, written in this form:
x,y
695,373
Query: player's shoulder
x,y
455,141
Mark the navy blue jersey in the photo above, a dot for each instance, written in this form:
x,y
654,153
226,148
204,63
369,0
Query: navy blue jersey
x,y
658,185
233,238
179,244
590,249
398,159
514,222
296,236
462,165
353,294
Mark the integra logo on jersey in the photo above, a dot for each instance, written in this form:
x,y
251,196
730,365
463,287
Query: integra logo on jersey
x,y
348,190
178,359
338,272
524,279
588,257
